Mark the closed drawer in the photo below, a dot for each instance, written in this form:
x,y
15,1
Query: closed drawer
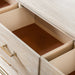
x,y
6,5
5,69
12,60
33,38
58,62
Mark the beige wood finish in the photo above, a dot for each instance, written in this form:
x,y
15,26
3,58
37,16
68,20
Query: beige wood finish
x,y
65,63
14,62
57,33
7,69
59,51
13,5
26,55
20,18
11,1
59,13
29,59
46,68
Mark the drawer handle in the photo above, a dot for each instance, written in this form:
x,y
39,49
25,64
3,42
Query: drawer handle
x,y
14,55
2,71
7,51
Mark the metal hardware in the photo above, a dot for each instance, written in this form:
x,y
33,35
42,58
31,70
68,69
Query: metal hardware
x,y
13,55
7,51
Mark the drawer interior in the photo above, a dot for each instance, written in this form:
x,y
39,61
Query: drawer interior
x,y
39,35
37,38
65,63
4,3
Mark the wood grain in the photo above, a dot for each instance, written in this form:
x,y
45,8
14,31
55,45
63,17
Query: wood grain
x,y
37,38
47,68
65,63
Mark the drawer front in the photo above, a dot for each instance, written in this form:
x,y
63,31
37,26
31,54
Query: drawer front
x,y
5,69
48,69
25,55
12,60
65,63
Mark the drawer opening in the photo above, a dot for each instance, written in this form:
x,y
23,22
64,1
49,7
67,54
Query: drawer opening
x,y
39,35
37,38
65,63
4,3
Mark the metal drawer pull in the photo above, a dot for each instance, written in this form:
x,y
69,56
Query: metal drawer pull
x,y
14,55
7,51
2,71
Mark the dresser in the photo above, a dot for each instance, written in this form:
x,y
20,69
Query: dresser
x,y
37,37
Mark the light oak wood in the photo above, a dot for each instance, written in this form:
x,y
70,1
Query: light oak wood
x,y
13,62
5,69
59,51
26,55
65,63
47,68
29,59
55,32
17,18
11,1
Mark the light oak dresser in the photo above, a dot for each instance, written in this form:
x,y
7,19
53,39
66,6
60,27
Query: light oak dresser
x,y
37,37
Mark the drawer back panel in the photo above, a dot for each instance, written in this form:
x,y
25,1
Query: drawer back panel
x,y
16,19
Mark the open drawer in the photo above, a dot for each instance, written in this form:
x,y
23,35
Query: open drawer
x,y
6,5
59,62
37,37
